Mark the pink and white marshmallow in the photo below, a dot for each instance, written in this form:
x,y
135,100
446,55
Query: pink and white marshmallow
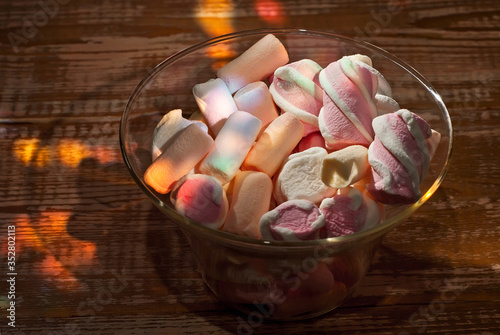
x,y
348,104
293,220
383,87
231,146
255,64
200,198
300,177
383,98
348,212
215,101
296,89
399,157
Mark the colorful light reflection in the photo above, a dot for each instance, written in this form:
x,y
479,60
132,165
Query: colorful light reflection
x,y
270,11
45,235
221,17
67,152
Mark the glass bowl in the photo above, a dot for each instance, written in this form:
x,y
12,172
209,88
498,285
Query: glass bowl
x,y
276,279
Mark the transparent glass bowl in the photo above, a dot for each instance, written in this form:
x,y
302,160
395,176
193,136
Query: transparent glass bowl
x,y
276,280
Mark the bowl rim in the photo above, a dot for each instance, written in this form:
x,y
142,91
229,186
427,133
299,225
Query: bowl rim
x,y
232,239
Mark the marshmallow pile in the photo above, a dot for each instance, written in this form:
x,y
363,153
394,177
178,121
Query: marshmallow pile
x,y
291,151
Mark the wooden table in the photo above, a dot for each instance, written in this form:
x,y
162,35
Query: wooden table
x,y
93,256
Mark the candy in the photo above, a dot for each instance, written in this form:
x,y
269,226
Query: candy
x,y
340,146
399,157
178,158
300,177
383,87
215,102
169,126
385,104
293,220
433,142
348,212
312,140
200,198
255,64
255,99
383,97
250,200
348,105
311,291
345,167
296,89
231,146
275,144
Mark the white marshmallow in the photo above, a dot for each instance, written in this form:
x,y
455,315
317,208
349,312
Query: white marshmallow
x,y
169,126
215,102
256,63
300,177
231,146
344,167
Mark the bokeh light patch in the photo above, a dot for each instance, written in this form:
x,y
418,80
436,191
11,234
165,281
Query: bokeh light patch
x,y
270,11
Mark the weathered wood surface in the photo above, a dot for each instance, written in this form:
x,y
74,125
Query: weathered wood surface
x,y
95,257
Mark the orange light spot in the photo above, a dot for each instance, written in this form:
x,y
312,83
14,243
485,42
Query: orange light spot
x,y
51,268
70,251
30,152
105,154
71,152
48,267
59,255
216,18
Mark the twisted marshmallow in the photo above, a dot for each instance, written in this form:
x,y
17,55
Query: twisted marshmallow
x,y
295,89
399,157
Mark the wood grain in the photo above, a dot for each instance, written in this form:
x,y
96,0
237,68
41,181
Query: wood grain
x,y
95,256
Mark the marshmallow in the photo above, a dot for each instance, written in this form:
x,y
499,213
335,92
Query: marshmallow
x,y
348,104
383,97
345,167
275,144
255,64
169,126
374,210
385,104
255,99
200,198
312,140
250,200
294,220
296,89
361,58
215,102
313,290
383,87
433,142
199,117
399,157
179,157
231,146
348,212
300,177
